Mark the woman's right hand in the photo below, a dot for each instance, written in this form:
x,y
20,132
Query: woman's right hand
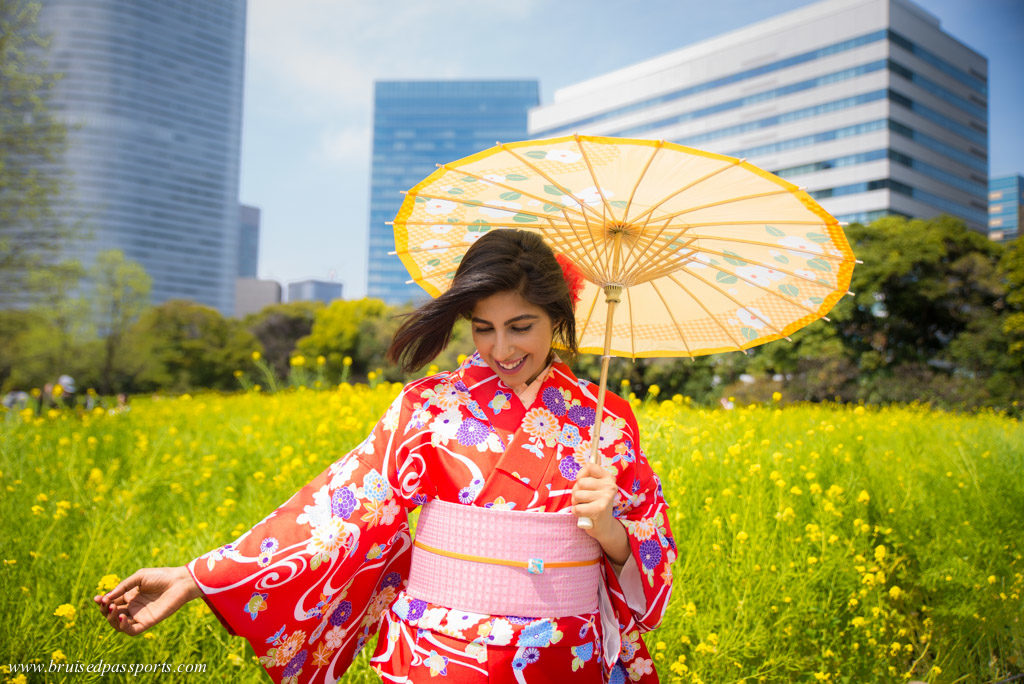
x,y
146,598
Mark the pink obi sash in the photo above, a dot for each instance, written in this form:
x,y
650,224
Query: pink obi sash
x,y
500,562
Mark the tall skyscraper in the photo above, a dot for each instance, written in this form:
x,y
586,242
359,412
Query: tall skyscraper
x,y
868,104
152,95
1006,207
417,125
248,241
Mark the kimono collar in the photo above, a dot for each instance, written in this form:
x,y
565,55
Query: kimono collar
x,y
474,370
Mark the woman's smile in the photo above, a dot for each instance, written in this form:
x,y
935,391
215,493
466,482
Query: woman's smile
x,y
513,336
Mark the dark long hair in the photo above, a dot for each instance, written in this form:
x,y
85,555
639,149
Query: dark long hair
x,y
500,261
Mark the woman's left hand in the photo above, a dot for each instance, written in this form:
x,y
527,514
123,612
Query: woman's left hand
x,y
593,496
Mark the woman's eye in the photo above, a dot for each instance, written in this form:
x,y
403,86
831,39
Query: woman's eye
x,y
521,330
482,330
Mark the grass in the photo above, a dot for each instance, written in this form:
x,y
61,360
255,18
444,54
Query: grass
x,y
816,542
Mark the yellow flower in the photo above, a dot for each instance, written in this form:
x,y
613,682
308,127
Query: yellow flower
x,y
991,579
321,360
66,610
238,373
776,396
58,656
256,356
880,552
741,536
299,360
895,592
863,497
107,582
347,361
654,390
235,659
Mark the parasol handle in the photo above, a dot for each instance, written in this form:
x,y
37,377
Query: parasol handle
x,y
612,294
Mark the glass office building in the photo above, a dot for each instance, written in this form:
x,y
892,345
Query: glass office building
x,y
248,241
1006,207
314,291
152,95
868,104
417,125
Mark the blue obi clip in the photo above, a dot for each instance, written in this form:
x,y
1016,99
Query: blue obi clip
x,y
535,566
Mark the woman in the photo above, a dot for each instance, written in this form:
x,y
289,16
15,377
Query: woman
x,y
501,584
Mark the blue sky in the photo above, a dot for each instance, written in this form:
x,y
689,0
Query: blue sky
x,y
310,69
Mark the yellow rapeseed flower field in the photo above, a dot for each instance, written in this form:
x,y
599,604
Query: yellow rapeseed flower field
x,y
816,542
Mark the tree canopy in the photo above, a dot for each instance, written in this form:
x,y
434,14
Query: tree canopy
x,y
938,316
32,142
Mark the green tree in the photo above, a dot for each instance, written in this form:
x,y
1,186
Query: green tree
x,y
180,345
50,338
926,322
921,285
16,353
1012,268
120,294
67,314
279,327
32,142
352,328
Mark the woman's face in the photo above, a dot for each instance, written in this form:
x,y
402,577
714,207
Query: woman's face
x,y
513,336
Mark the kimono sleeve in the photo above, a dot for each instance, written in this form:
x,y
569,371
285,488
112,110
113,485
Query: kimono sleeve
x,y
644,584
308,584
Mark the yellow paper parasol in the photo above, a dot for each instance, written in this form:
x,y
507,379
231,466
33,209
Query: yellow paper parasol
x,y
701,253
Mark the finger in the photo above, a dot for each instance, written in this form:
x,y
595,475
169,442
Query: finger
x,y
114,618
592,470
135,625
133,580
116,610
588,496
121,601
135,629
591,510
593,483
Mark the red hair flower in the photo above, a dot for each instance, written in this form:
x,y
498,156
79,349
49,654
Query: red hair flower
x,y
573,277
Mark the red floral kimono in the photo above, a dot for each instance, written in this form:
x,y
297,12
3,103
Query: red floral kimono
x,y
319,576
